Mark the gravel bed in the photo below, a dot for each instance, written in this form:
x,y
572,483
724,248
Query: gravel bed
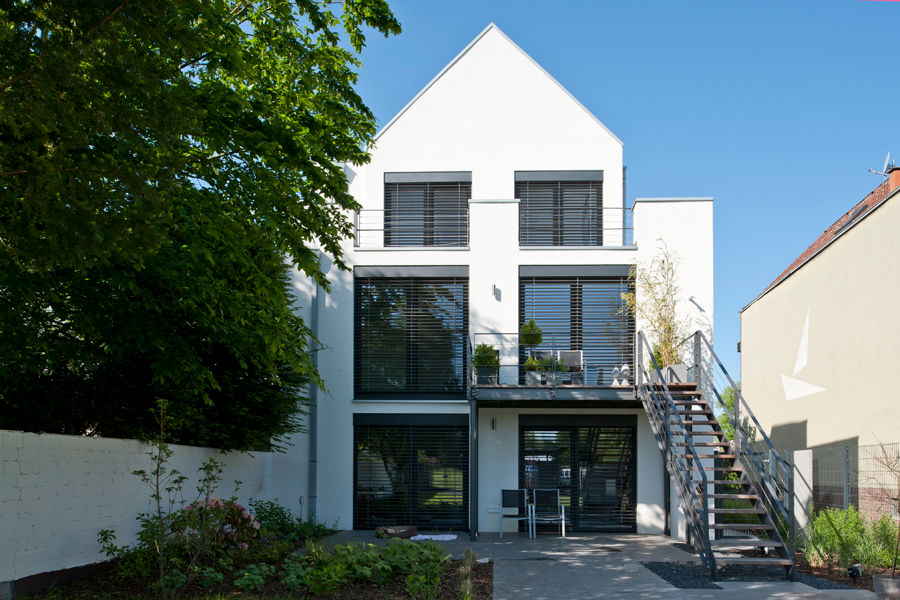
x,y
691,575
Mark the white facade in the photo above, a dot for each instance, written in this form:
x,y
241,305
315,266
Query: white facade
x,y
493,112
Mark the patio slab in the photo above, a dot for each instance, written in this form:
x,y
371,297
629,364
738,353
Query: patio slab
x,y
594,566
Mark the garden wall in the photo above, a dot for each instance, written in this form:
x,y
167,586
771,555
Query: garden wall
x,y
58,491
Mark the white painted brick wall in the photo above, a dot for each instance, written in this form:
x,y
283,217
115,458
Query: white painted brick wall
x,y
57,492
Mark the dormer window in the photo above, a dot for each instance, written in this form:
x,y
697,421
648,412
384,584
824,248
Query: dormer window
x,y
427,209
560,208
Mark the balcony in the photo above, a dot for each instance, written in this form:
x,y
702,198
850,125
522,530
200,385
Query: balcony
x,y
556,228
506,371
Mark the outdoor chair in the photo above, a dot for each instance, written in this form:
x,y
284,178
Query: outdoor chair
x,y
572,360
547,507
514,505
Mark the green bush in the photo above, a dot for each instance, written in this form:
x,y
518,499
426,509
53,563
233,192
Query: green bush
x,y
842,537
253,577
273,518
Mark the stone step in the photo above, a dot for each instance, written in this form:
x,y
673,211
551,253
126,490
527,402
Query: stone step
x,y
753,560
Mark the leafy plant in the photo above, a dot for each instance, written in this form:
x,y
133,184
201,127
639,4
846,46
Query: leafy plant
x,y
655,300
253,577
485,355
466,590
274,519
327,578
530,334
532,364
294,572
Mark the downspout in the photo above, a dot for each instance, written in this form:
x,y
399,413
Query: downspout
x,y
312,489
624,202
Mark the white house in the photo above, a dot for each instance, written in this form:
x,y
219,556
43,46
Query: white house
x,y
493,198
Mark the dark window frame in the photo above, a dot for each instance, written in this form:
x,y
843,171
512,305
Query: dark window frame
x,y
413,340
427,209
536,230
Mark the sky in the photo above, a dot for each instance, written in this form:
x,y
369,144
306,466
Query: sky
x,y
777,109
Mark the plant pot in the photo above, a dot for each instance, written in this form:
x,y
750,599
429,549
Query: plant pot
x,y
885,587
676,373
487,375
532,378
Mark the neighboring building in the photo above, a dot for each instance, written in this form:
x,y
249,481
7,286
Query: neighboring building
x,y
494,197
816,344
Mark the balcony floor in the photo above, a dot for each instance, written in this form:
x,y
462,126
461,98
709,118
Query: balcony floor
x,y
562,396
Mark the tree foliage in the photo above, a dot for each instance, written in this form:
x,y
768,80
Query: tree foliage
x,y
158,162
655,301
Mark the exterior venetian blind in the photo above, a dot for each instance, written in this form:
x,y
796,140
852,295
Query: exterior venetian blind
x,y
427,214
410,336
410,474
594,465
560,213
581,313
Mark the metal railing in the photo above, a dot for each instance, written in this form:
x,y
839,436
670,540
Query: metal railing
x,y
378,228
674,440
770,473
551,363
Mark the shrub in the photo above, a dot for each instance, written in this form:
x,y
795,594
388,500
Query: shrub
x,y
841,537
273,518
253,577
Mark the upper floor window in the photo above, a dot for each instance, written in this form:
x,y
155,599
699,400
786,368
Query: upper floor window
x,y
410,332
560,208
427,209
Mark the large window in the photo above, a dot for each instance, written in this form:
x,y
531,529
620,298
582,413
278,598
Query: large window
x,y
410,336
585,314
410,469
427,209
560,208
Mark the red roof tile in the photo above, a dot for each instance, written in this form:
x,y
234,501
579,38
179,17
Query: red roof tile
x,y
854,214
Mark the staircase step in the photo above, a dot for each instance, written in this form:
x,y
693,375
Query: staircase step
x,y
704,444
706,422
711,455
745,543
727,482
737,511
767,526
716,468
754,560
733,496
681,402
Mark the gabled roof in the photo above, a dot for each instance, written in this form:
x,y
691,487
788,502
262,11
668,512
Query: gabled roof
x,y
465,51
850,218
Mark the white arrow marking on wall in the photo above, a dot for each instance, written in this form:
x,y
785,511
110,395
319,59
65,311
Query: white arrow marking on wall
x,y
797,388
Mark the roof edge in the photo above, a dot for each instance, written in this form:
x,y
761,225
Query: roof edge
x,y
787,275
465,51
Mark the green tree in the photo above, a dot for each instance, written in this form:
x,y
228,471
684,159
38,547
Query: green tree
x,y
655,301
158,162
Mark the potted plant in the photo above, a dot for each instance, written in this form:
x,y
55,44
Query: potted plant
x,y
655,302
886,587
486,360
553,368
530,334
532,371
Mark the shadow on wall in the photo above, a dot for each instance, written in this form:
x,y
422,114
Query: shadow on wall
x,y
790,436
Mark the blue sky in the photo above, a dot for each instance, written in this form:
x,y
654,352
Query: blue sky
x,y
777,109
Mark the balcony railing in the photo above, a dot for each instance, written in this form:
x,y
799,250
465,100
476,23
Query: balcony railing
x,y
374,228
553,363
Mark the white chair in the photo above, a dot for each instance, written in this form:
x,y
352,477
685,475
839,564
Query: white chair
x,y
547,507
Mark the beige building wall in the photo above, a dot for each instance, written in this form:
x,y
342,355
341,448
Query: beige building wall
x,y
831,385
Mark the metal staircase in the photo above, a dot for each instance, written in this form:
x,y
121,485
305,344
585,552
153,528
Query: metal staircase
x,y
735,491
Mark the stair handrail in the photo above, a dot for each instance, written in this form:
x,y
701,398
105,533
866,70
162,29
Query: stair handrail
x,y
675,457
774,480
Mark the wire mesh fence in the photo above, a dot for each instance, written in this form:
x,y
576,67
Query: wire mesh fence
x,y
864,476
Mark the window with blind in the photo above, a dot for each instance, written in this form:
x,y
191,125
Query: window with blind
x,y
413,472
427,209
581,313
563,212
410,336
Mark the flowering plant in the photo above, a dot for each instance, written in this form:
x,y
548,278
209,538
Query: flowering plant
x,y
216,523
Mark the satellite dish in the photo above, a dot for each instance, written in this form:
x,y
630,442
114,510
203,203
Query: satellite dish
x,y
884,169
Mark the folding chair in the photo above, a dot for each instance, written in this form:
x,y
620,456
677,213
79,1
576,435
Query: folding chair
x,y
514,505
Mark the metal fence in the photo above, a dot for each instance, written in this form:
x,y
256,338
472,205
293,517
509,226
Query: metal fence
x,y
864,476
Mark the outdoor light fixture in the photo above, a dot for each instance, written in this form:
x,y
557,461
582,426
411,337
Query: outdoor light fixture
x,y
493,423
